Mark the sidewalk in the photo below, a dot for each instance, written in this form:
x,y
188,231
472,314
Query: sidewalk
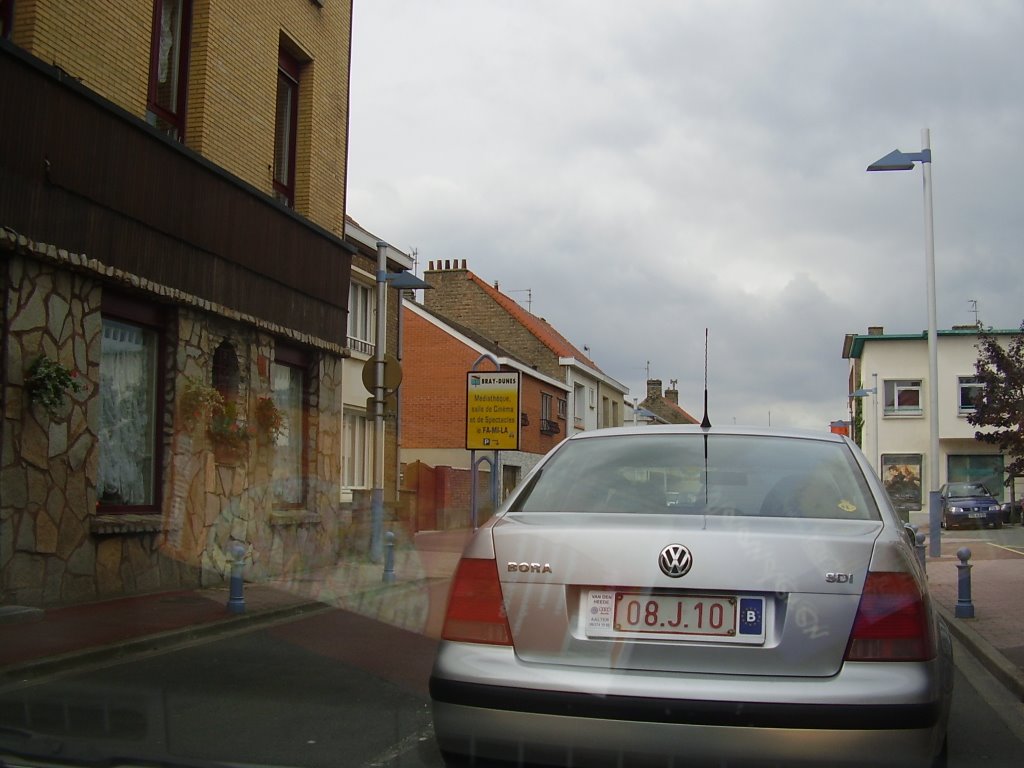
x,y
35,642
995,635
61,638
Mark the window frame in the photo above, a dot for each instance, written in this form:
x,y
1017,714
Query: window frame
x,y
289,70
964,383
175,120
364,344
150,318
893,389
360,469
6,18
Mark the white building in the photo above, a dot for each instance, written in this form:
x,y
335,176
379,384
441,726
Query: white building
x,y
890,415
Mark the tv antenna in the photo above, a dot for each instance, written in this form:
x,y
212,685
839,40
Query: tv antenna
x,y
529,297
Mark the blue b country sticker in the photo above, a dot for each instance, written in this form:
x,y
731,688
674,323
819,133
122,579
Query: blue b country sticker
x,y
751,616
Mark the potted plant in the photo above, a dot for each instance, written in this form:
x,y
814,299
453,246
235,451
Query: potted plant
x,y
269,419
198,402
48,382
229,435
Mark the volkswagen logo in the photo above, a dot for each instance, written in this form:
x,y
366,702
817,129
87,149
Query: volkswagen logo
x,y
675,560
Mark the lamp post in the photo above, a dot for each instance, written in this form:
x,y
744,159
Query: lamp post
x,y
904,161
875,461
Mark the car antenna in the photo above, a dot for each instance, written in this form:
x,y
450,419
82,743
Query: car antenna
x,y
705,422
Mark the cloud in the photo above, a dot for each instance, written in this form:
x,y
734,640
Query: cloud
x,y
652,169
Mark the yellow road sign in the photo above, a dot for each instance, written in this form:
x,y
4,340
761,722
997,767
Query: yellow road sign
x,y
492,411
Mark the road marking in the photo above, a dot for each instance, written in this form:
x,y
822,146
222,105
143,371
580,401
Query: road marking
x,y
1015,550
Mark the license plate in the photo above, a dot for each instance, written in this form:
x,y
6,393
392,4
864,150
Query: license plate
x,y
713,618
975,515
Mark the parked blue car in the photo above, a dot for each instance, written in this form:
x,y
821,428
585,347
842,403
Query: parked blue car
x,y
969,504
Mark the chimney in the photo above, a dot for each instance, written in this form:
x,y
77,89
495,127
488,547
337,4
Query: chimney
x,y
653,388
672,395
876,330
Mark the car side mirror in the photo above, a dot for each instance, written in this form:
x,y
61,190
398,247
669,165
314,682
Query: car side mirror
x,y
911,533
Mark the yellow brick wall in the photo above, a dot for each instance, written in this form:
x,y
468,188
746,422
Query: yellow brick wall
x,y
232,80
103,44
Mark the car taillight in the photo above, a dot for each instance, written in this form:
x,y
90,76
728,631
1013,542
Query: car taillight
x,y
476,612
892,621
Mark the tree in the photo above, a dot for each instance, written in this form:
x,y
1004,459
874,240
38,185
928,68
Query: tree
x,y
1000,404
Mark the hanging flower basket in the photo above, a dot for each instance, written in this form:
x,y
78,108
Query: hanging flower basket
x,y
48,383
198,403
269,419
229,436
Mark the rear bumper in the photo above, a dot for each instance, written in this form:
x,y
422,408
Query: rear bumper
x,y
731,714
533,738
891,714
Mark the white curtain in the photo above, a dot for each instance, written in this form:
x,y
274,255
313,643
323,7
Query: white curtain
x,y
126,419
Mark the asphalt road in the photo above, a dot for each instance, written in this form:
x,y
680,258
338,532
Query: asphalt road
x,y
333,689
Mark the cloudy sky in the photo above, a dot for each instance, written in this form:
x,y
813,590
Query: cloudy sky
x,y
651,168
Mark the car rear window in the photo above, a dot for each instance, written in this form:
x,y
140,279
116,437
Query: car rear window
x,y
696,474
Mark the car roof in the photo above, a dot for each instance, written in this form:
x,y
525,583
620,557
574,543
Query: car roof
x,y
695,429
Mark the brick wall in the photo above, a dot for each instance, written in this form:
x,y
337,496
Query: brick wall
x,y
434,387
456,296
434,392
105,45
232,80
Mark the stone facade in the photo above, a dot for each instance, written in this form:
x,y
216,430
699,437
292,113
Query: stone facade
x,y
57,544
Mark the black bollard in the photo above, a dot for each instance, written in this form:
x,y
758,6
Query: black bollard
x,y
964,607
389,557
920,548
236,598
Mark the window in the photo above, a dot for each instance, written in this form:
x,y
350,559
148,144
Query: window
x,y
288,385
547,424
168,66
285,127
355,457
360,318
6,17
562,408
970,390
903,397
129,387
579,403
978,468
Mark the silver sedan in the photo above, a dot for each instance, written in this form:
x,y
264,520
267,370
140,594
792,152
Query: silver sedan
x,y
683,596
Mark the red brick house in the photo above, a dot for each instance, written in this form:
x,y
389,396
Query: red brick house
x,y
437,356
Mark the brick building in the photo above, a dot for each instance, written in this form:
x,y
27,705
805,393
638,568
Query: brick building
x,y
594,400
665,407
171,235
359,415
437,355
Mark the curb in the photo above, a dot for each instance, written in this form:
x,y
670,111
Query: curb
x,y
990,657
50,665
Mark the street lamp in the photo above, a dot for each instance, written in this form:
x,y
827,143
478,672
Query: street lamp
x,y
875,459
904,161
